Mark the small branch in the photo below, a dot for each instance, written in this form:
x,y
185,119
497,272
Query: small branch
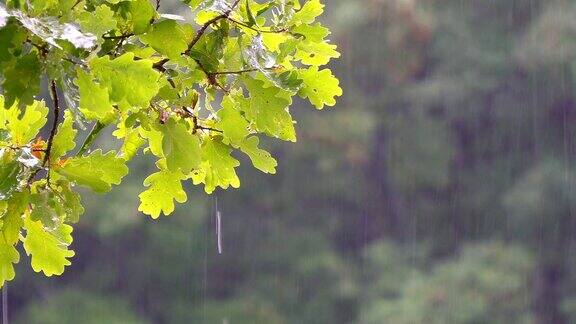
x,y
56,102
256,29
204,27
234,72
157,5
75,4
201,32
196,126
211,77
121,37
160,65
243,71
208,129
44,51
47,152
98,127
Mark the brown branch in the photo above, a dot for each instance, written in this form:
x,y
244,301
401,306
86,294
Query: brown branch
x,y
121,37
208,129
196,126
56,102
201,32
46,160
75,4
234,72
283,30
242,71
211,76
160,65
204,27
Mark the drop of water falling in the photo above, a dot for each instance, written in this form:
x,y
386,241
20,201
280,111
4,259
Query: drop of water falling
x,y
49,29
3,16
27,159
173,17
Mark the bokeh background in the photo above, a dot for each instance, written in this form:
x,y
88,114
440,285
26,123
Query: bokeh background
x,y
440,189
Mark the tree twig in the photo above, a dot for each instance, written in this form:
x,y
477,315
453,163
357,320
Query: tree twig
x,y
56,103
122,37
257,29
208,129
242,71
204,27
75,4
48,151
211,76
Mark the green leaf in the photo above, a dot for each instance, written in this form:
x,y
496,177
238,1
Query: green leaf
x,y
309,12
8,257
9,170
312,32
64,138
267,108
166,37
94,100
11,38
193,3
43,204
99,21
22,80
131,144
320,87
164,187
97,171
231,122
274,40
181,148
71,204
261,159
142,13
12,218
154,138
217,167
130,83
48,248
251,19
312,53
25,125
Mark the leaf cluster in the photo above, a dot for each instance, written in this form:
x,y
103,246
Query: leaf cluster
x,y
192,94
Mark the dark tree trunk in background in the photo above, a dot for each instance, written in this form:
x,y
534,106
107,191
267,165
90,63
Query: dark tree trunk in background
x,y
383,216
547,295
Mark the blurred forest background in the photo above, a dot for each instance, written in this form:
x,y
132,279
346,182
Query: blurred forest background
x,y
441,189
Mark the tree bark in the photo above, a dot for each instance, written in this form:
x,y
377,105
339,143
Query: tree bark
x,y
547,294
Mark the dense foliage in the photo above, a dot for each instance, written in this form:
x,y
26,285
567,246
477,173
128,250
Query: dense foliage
x,y
191,95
